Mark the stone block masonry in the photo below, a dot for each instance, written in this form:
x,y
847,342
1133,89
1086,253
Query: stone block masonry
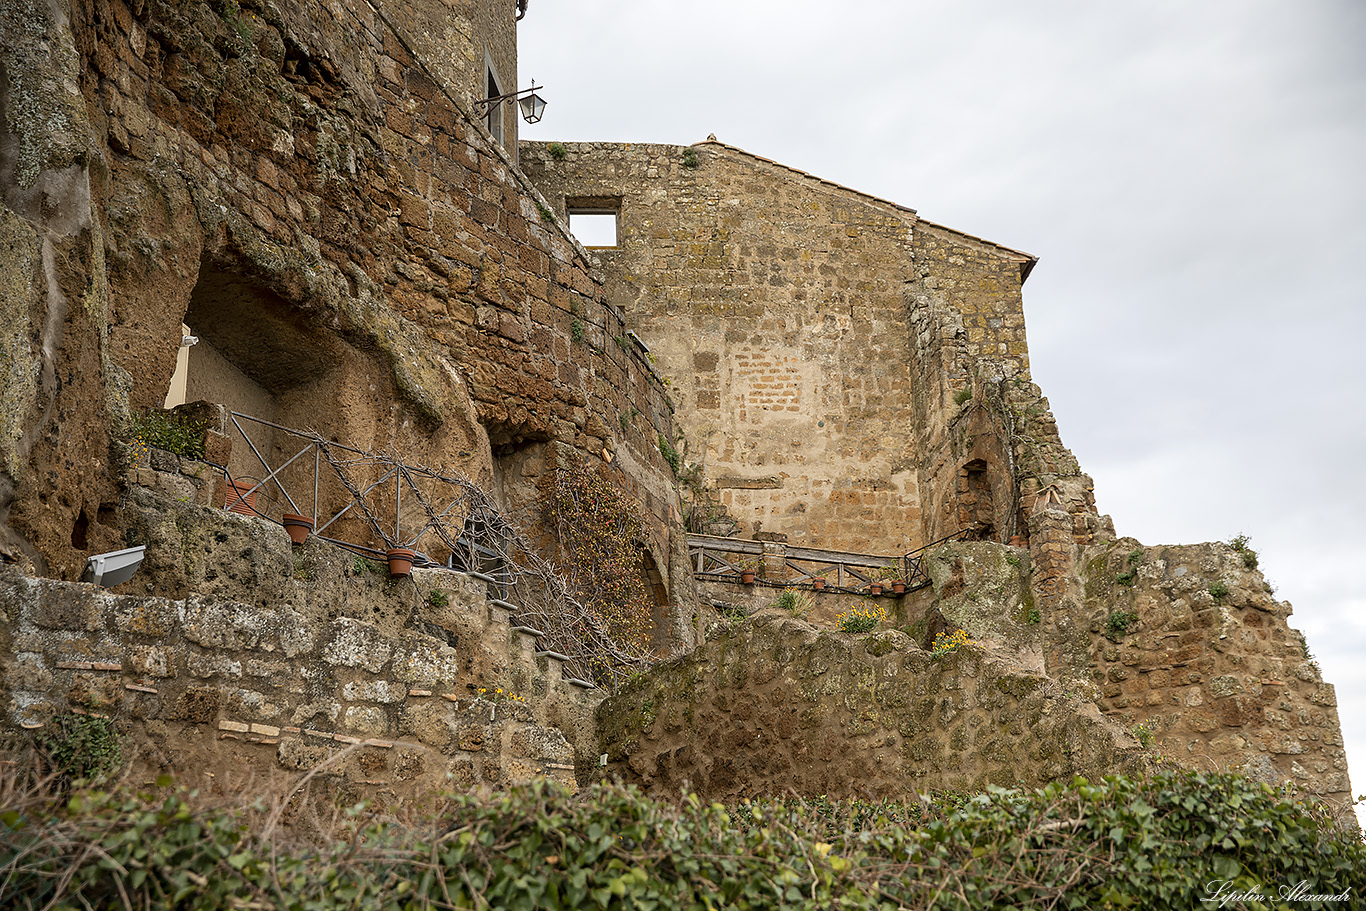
x,y
773,303
325,657
829,338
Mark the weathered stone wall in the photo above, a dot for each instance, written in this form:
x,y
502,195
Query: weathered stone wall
x,y
772,706
824,345
307,191
284,657
773,302
1187,641
1209,662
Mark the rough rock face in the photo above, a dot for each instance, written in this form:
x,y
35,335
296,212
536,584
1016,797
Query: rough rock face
x,y
313,198
1190,641
772,705
1184,640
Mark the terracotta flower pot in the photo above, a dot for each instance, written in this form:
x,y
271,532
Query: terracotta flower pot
x,y
400,561
898,587
875,588
818,584
241,498
298,527
1017,541
747,576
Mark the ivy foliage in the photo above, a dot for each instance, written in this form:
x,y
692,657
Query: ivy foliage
x,y
81,747
1119,843
601,533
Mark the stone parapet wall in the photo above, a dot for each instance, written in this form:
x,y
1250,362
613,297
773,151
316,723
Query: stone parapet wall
x,y
773,706
298,654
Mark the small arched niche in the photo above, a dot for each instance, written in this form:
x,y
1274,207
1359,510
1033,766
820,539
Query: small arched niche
x,y
661,637
976,501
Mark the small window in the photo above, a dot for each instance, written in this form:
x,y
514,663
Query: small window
x,y
594,227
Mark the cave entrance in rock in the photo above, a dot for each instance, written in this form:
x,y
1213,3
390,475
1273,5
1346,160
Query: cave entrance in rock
x,y
256,354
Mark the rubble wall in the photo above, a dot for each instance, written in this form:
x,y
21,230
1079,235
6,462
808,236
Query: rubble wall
x,y
771,705
1191,641
286,657
1187,642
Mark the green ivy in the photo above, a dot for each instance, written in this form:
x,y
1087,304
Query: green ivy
x,y
600,530
1117,843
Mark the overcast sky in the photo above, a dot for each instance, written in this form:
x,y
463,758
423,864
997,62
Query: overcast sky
x,y
1190,175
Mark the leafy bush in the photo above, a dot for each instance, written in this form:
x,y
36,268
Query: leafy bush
x,y
690,158
1219,589
558,151
1240,544
1122,843
81,747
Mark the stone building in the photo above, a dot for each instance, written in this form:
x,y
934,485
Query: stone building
x,y
848,374
366,257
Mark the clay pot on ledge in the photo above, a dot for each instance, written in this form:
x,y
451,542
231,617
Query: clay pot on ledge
x,y
400,561
898,587
875,588
818,584
241,499
298,527
747,576
1017,541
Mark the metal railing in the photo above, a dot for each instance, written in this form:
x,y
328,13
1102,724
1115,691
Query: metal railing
x,y
725,559
400,505
378,502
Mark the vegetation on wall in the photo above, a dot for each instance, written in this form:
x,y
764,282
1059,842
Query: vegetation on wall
x,y
1117,623
1164,842
80,747
169,431
600,532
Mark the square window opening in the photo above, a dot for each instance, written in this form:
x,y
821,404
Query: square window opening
x,y
594,228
